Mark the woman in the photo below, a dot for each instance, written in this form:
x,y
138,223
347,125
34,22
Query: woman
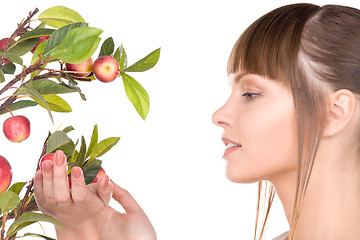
x,y
291,123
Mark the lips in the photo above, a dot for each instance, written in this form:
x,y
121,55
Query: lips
x,y
231,146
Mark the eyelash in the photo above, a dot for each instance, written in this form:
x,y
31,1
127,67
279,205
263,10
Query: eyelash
x,y
250,96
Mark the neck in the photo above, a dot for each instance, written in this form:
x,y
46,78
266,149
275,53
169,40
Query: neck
x,y
331,208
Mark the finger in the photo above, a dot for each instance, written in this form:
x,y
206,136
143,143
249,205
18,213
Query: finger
x,y
78,186
104,189
62,193
48,181
38,188
125,199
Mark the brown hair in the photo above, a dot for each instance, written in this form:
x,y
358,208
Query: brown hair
x,y
304,46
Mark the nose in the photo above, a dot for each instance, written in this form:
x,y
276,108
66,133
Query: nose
x,y
222,117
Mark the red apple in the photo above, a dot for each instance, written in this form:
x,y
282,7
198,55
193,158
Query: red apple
x,y
106,68
41,39
2,45
5,174
80,69
100,173
49,156
16,128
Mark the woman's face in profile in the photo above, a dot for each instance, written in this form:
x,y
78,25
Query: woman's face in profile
x,y
260,131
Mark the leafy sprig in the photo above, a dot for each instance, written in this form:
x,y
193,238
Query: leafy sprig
x,y
71,40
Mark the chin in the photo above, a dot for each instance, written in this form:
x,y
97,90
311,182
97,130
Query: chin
x,y
242,177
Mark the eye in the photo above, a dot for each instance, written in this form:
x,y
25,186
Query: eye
x,y
250,96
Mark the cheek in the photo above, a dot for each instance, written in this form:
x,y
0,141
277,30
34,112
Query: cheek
x,y
269,141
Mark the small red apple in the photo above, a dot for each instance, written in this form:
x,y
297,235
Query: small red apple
x,y
16,128
106,68
41,39
5,174
80,69
2,45
100,173
49,156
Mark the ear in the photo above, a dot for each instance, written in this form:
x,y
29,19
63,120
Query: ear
x,y
341,110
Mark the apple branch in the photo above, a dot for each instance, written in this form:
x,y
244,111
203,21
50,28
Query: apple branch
x,y
21,29
20,76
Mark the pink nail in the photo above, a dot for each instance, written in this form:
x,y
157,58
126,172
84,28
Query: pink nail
x,y
47,165
75,172
59,158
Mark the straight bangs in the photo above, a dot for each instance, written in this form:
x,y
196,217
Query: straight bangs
x,y
269,47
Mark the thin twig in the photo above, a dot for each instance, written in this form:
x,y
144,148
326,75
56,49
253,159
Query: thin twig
x,y
21,29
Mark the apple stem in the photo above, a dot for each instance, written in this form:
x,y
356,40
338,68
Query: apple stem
x,y
6,97
42,228
15,213
58,127
9,111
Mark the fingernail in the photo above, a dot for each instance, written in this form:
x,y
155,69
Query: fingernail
x,y
47,165
59,158
75,172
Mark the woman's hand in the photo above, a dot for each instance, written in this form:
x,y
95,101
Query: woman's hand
x,y
132,225
75,209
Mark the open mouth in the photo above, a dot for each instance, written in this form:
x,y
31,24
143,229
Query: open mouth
x,y
230,146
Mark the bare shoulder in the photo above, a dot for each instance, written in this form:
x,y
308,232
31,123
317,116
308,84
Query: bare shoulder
x,y
283,236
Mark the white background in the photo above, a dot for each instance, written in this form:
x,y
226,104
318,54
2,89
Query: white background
x,y
171,163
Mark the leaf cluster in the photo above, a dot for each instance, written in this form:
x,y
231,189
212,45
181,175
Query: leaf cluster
x,y
70,40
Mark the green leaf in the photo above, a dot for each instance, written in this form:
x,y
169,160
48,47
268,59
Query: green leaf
x,y
33,93
76,43
55,103
19,105
137,95
8,68
2,76
23,47
39,235
68,129
91,170
93,142
107,48
57,37
12,57
88,54
38,32
103,146
17,187
18,228
46,86
59,140
145,63
38,54
81,157
29,218
121,57
8,201
60,16
38,51
73,86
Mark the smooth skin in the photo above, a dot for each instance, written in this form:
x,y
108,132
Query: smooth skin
x,y
83,210
260,115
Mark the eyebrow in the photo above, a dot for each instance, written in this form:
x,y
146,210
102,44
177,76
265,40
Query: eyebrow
x,y
239,77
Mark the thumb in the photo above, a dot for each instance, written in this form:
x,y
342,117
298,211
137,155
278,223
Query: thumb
x,y
104,189
125,199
